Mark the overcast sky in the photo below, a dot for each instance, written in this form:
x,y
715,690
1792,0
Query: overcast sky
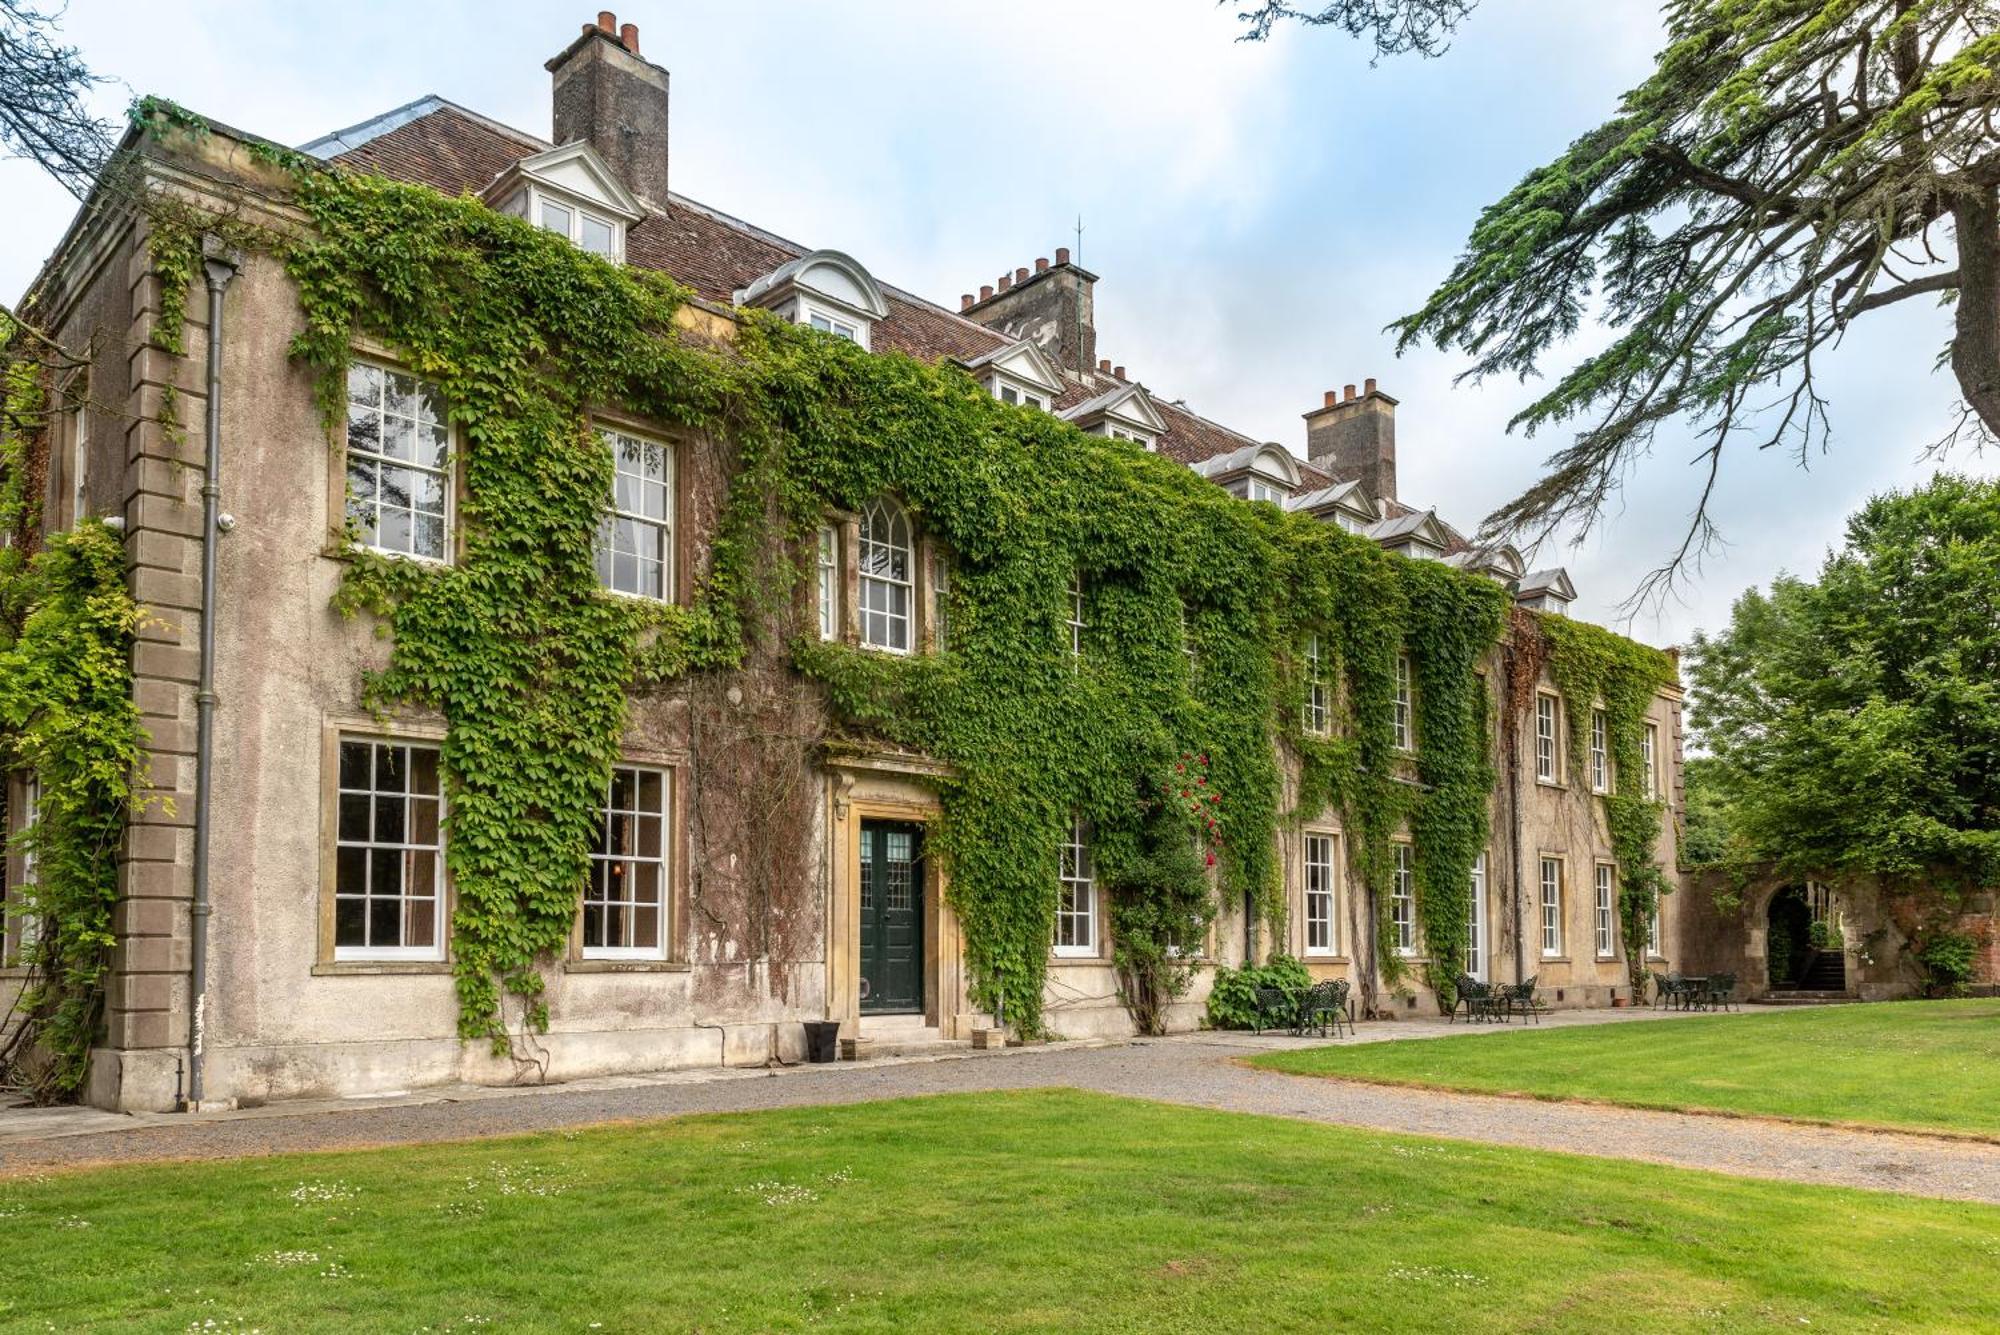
x,y
1257,213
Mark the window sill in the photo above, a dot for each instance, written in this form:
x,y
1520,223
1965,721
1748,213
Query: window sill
x,y
1056,961
626,966
337,552
1557,784
1556,959
372,968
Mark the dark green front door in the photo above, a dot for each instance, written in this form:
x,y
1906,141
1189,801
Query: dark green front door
x,y
892,917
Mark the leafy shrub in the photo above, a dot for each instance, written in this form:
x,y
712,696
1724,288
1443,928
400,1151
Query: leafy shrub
x,y
1233,1002
1947,960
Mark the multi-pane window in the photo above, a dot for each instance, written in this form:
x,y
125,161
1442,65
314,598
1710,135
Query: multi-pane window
x,y
17,930
635,540
1317,714
398,463
79,438
388,894
1649,753
1076,894
829,582
1321,936
1605,917
1403,901
625,904
1008,394
1600,753
886,565
1073,616
1475,923
1260,490
584,229
940,601
828,324
1552,906
1653,930
1545,738
1404,720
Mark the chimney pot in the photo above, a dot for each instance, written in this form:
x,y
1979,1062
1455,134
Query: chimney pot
x,y
1006,281
986,292
1020,275
589,28
628,37
607,21
1347,393
1117,373
1062,254
1368,385
1041,266
965,301
1332,397
1104,364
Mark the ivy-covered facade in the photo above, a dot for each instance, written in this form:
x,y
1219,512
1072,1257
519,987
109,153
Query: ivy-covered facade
x,y
637,636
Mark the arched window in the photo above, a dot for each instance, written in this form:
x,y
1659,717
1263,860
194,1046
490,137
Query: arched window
x,y
886,565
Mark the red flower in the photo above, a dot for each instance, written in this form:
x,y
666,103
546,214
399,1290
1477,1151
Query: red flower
x,y
1211,859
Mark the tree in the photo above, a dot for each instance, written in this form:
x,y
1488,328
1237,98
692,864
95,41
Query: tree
x,y
1789,167
42,87
1394,26
1854,721
1705,835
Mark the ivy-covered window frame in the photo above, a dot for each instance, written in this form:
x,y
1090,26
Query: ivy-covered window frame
x,y
1320,898
1649,760
1403,719
672,956
330,959
20,798
1604,909
607,427
1316,715
834,608
1655,938
1079,930
1403,898
1600,751
367,353
1478,928
1546,736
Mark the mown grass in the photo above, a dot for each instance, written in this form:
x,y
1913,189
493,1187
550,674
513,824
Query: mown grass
x,y
1920,1065
1050,1210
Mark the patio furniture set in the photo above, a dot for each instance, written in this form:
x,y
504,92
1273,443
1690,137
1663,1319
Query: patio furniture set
x,y
1497,1003
1316,1008
1694,992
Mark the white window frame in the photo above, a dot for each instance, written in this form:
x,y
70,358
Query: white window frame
x,y
627,863
1552,908
1317,713
940,599
1649,756
1475,945
79,463
1139,438
1076,895
1653,930
1320,890
440,895
900,539
1403,900
444,473
1403,721
19,932
603,550
1548,738
543,199
1022,397
840,324
1605,904
1263,489
1600,752
1073,617
828,581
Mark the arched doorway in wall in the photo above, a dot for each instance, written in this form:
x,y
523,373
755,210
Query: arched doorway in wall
x,y
1788,943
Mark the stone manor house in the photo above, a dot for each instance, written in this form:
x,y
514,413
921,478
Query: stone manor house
x,y
327,969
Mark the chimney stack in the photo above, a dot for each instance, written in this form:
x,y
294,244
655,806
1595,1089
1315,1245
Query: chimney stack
x,y
607,95
1354,439
1051,306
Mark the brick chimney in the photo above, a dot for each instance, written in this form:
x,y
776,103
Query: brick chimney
x,y
1051,305
1353,437
607,95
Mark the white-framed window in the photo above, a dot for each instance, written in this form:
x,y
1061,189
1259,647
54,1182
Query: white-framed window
x,y
584,229
1653,930
1318,714
886,566
1404,721
398,464
17,931
388,891
79,468
1322,933
1403,901
1552,907
1189,649
1649,757
1073,616
1139,438
1076,894
1606,912
1475,923
829,323
1007,393
1259,489
1600,753
625,904
635,539
1545,738
828,559
940,600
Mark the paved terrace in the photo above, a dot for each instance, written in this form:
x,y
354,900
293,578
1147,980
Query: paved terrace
x,y
1199,1070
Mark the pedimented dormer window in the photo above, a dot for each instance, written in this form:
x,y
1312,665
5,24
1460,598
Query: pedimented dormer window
x,y
569,191
824,290
1124,413
1019,374
1264,472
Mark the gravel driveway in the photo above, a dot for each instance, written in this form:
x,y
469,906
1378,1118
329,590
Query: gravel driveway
x,y
1200,1070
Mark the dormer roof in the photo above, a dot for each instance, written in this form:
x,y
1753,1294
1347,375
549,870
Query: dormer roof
x,y
828,275
570,169
1419,526
1022,361
1129,405
1271,460
1554,583
1501,561
1342,498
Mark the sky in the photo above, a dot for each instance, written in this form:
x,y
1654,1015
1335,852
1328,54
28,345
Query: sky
x,y
1257,213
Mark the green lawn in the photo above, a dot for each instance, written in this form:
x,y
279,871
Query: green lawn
x,y
1033,1211
1926,1065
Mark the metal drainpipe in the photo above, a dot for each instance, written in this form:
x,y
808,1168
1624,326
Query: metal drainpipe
x,y
219,265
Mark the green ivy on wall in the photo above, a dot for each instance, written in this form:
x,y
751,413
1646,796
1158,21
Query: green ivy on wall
x,y
1591,666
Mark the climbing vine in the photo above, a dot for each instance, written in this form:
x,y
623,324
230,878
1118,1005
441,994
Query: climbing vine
x,y
1592,666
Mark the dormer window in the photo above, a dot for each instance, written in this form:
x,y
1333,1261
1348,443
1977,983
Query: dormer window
x,y
824,290
1017,373
1264,472
1143,441
1006,393
1123,413
570,192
